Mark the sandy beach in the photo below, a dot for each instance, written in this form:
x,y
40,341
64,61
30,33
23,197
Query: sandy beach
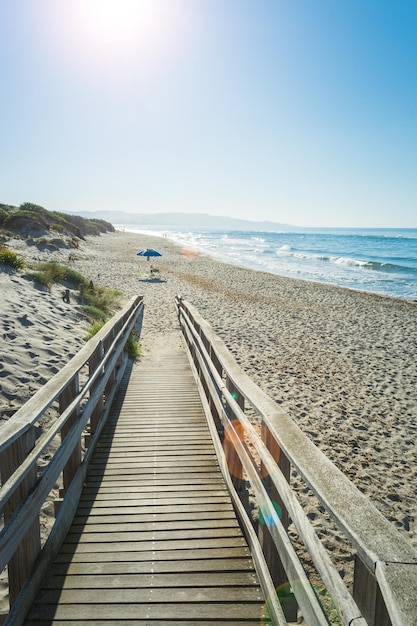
x,y
341,363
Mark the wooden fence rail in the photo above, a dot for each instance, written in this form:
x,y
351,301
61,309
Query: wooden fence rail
x,y
385,575
35,457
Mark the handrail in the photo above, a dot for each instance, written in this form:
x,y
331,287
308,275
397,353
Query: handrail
x,y
385,577
82,393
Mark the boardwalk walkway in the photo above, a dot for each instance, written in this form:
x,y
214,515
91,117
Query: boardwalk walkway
x,y
155,539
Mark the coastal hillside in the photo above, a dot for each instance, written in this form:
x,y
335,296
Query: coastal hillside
x,y
33,221
190,221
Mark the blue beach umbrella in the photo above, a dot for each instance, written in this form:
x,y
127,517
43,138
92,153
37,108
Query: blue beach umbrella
x,y
148,253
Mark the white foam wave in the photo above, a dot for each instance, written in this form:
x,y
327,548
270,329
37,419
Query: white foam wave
x,y
342,260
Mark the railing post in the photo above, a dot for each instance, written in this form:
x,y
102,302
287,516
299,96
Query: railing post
x,y
106,343
213,409
368,596
21,563
74,461
285,467
93,363
233,461
272,557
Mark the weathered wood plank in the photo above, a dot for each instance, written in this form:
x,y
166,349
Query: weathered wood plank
x,y
199,564
116,538
111,484
114,613
147,581
151,622
156,509
215,495
164,555
155,524
146,451
153,499
144,546
152,595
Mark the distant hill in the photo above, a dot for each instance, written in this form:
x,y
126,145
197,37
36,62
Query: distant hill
x,y
184,220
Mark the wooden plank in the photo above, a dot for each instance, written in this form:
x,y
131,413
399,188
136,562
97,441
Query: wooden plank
x,y
109,595
156,509
157,498
144,546
190,566
116,538
163,482
182,494
163,520
192,613
155,525
165,555
198,463
138,621
148,580
146,450
171,476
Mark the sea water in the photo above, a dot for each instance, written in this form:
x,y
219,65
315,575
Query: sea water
x,y
382,261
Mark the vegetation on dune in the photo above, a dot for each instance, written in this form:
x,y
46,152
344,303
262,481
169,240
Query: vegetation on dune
x,y
97,302
11,259
94,329
132,346
53,230
33,222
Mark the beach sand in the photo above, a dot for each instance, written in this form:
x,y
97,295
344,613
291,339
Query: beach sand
x,y
341,363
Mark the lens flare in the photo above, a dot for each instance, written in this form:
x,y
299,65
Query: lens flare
x,y
265,518
189,253
234,431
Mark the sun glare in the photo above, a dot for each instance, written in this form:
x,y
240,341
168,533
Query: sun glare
x,y
91,34
119,22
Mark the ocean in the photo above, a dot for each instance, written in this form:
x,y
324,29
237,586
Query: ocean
x,y
382,261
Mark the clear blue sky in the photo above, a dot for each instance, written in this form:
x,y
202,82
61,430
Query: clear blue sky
x,y
297,111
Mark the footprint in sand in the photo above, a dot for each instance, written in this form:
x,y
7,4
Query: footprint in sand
x,y
48,338
24,321
51,352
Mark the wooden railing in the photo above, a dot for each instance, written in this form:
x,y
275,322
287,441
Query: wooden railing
x,y
385,573
35,457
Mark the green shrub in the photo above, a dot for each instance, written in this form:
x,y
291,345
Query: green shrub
x,y
94,328
99,297
94,313
11,259
3,215
132,346
99,302
41,278
61,273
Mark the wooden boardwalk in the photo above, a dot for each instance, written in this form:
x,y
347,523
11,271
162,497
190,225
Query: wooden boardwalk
x,y
155,539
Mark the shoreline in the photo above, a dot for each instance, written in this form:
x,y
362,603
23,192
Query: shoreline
x,y
251,264
340,362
